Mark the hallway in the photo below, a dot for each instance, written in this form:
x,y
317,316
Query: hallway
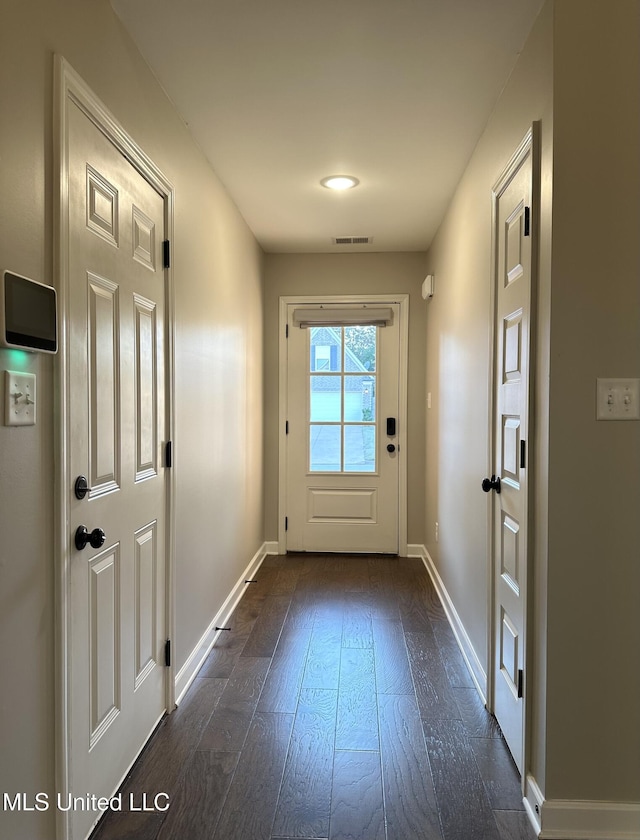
x,y
337,705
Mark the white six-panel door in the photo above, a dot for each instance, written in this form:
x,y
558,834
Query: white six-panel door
x,y
116,431
513,267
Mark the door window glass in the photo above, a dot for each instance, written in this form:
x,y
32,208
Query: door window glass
x,y
342,405
325,349
359,448
324,447
326,398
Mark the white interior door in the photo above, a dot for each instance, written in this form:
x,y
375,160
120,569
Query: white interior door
x,y
116,430
343,431
512,241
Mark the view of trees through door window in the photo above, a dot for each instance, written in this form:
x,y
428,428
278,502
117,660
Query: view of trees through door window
x,y
342,405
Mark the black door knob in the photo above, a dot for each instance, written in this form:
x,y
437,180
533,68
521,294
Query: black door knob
x,y
95,539
492,483
390,447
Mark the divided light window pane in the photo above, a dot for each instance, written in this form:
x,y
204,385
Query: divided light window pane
x,y
359,398
326,398
324,448
325,349
359,448
362,343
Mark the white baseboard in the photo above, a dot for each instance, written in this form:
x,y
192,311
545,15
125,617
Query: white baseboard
x,y
478,673
561,819
196,658
415,550
533,802
565,820
271,547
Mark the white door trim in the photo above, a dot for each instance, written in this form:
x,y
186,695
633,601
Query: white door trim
x,y
403,302
530,145
70,88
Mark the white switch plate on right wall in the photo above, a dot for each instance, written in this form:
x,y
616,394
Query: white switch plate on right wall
x,y
618,399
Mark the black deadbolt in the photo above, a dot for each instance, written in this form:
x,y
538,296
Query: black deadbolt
x,y
390,447
81,487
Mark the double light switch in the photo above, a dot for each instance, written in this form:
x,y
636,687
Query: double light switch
x,y
618,399
20,398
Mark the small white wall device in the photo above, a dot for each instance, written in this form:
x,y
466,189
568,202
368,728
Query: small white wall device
x,y
28,314
428,286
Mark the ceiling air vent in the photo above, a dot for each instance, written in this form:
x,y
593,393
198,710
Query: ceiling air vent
x,y
353,240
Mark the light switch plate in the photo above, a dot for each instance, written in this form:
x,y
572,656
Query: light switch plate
x,y
618,399
20,398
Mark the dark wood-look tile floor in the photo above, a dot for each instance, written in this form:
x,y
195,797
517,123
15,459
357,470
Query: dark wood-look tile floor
x,y
337,706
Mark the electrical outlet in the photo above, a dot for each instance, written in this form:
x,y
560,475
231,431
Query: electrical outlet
x,y
437,532
20,398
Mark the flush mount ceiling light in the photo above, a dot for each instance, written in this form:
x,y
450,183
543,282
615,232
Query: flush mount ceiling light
x,y
340,182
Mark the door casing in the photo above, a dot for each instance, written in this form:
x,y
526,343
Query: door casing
x,y
403,301
69,87
529,145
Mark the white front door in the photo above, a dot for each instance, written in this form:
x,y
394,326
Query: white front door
x,y
115,434
343,434
513,251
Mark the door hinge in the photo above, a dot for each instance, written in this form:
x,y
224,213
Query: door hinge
x,y
520,682
286,427
523,454
527,221
286,523
166,254
167,652
168,454
286,331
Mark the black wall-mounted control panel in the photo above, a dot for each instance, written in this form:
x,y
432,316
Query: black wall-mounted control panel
x,y
28,314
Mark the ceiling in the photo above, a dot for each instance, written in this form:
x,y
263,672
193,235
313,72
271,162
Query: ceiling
x,y
281,93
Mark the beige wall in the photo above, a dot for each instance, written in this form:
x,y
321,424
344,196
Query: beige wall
x,y
593,722
578,75
347,274
218,445
458,340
